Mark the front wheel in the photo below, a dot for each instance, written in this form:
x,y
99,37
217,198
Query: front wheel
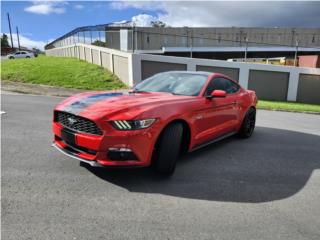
x,y
11,57
168,148
248,124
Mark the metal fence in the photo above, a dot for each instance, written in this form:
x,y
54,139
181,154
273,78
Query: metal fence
x,y
155,38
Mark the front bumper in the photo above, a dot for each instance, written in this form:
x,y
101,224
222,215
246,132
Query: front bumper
x,y
95,150
72,155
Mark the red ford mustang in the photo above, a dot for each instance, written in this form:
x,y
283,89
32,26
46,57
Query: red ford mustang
x,y
164,115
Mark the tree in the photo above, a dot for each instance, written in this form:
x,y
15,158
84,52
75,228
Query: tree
x,y
36,50
158,24
99,43
4,41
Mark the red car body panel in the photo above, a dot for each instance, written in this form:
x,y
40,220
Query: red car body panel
x,y
206,119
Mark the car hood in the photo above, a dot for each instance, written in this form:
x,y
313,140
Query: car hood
x,y
110,104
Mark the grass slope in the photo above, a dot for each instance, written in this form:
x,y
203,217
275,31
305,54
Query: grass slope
x,y
289,106
60,72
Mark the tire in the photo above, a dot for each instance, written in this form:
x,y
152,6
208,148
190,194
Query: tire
x,y
248,124
27,57
11,57
167,149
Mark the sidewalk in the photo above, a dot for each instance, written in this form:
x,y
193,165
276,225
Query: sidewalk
x,y
38,89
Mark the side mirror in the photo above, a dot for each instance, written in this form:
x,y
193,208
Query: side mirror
x,y
218,94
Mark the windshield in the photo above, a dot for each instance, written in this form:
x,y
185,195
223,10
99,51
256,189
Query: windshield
x,y
188,84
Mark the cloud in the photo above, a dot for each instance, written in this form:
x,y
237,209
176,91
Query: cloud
x,y
146,5
143,20
25,42
230,13
46,7
78,7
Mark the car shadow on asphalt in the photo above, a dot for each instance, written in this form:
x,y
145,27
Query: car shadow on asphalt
x,y
273,164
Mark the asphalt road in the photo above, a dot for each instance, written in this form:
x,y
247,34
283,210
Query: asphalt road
x,y
265,187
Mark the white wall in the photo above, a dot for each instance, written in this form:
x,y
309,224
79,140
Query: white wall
x,y
244,68
133,74
118,63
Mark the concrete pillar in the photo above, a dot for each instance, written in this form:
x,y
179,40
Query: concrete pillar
x,y
244,76
191,66
135,62
100,58
91,55
293,86
111,62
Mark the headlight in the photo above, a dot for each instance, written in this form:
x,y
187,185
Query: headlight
x,y
132,124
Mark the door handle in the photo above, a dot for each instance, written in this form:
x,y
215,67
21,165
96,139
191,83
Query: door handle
x,y
234,102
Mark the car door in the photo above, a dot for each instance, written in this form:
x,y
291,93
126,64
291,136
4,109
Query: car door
x,y
17,55
219,116
23,54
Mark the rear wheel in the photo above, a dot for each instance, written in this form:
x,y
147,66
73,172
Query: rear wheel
x,y
168,148
11,57
248,124
27,56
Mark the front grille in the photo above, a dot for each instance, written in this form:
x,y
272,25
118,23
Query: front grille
x,y
77,123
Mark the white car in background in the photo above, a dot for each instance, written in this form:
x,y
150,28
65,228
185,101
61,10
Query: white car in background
x,y
20,54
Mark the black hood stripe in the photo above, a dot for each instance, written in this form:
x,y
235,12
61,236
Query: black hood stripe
x,y
79,105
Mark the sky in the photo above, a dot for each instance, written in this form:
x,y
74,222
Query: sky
x,y
41,22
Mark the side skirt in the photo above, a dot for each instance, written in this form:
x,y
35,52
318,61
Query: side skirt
x,y
213,141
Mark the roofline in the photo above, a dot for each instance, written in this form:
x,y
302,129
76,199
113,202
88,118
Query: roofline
x,y
123,26
99,27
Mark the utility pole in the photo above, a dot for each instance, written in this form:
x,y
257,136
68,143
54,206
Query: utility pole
x,y
133,36
296,53
18,38
10,30
246,50
191,43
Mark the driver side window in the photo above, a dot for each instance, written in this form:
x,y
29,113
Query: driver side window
x,y
222,84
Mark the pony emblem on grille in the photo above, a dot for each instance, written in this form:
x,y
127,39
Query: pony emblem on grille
x,y
72,120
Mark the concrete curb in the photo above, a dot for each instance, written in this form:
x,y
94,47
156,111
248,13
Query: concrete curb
x,y
284,110
37,89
